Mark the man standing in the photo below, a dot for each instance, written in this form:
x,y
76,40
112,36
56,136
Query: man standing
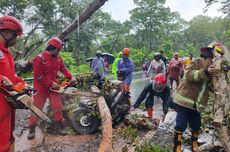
x,y
175,68
125,70
192,96
114,68
98,66
188,60
156,66
163,58
45,68
10,28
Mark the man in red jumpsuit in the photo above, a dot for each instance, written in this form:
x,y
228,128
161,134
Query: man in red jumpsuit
x,y
10,28
45,67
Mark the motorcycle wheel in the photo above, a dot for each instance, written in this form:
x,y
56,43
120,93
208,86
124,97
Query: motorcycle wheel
x,y
84,122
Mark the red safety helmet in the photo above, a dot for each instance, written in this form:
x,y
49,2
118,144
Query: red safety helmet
x,y
126,51
159,82
10,22
56,42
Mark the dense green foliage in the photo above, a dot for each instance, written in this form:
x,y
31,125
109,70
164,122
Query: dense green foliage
x,y
151,27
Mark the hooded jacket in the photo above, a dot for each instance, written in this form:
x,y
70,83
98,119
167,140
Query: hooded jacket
x,y
125,66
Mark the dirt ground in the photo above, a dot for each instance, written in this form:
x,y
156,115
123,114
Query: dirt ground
x,y
68,143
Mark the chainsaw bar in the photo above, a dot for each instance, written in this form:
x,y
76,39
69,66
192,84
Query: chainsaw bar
x,y
75,91
28,102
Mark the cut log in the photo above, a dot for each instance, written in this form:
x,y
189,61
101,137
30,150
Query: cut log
x,y
106,119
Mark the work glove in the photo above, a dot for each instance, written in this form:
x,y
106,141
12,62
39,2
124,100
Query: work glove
x,y
55,86
73,80
6,81
212,71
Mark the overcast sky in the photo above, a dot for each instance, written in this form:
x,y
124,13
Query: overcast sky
x,y
119,9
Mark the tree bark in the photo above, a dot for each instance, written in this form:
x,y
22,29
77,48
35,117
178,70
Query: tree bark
x,y
86,13
222,104
106,119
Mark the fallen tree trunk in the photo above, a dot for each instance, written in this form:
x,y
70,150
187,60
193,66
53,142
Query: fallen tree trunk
x,y
86,13
106,119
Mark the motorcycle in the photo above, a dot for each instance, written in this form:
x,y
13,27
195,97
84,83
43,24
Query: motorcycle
x,y
86,118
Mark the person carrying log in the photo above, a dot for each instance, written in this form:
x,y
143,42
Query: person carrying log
x,y
192,96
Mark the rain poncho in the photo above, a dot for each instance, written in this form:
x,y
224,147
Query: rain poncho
x,y
125,66
98,67
114,68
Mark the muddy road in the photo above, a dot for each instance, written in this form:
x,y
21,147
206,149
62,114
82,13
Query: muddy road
x,y
90,143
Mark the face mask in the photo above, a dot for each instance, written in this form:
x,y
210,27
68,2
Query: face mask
x,y
54,53
125,57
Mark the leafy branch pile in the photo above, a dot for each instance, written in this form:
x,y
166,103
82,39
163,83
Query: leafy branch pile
x,y
149,147
140,122
129,133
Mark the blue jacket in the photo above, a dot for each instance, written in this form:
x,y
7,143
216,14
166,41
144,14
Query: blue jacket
x,y
125,66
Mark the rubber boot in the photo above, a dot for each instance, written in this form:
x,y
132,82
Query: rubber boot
x,y
194,138
150,112
31,134
12,147
59,128
177,141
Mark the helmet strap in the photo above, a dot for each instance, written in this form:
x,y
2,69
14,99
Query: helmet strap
x,y
54,52
7,40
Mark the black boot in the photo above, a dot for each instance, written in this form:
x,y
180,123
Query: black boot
x,y
177,141
31,134
59,128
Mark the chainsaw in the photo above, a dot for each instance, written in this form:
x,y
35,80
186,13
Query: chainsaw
x,y
23,100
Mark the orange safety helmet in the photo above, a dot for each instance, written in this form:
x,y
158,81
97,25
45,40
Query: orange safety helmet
x,y
56,42
218,47
126,51
11,23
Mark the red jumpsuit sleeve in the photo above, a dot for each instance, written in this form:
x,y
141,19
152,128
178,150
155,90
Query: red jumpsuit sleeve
x,y
1,78
19,79
39,72
64,70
